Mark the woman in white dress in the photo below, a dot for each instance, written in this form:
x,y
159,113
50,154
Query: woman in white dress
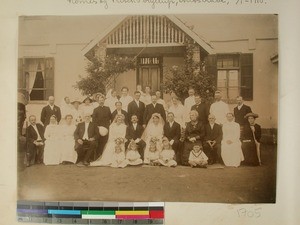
x,y
66,108
153,132
87,107
146,97
179,111
67,142
77,112
111,99
117,131
52,150
231,152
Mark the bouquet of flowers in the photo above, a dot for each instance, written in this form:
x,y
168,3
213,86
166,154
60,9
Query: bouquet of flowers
x,y
119,141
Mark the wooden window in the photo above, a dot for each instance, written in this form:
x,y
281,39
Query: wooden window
x,y
233,74
36,78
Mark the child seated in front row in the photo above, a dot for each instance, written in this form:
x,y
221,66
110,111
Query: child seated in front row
x,y
197,157
118,157
166,156
133,157
151,157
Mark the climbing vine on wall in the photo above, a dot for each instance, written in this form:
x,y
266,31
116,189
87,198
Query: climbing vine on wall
x,y
192,74
101,72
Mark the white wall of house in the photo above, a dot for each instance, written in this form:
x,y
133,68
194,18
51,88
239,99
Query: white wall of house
x,y
127,79
265,77
64,37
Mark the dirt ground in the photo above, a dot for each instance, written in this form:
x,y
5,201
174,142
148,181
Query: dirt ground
x,y
227,185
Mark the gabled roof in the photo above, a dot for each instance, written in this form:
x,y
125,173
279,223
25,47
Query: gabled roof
x,y
98,39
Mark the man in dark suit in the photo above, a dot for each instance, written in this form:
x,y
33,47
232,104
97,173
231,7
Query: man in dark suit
x,y
136,107
154,107
212,140
120,111
34,142
240,112
101,118
172,131
50,110
134,133
201,108
86,136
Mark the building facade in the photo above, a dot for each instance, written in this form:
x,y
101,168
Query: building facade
x,y
238,51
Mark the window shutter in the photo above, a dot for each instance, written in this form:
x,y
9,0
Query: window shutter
x,y
247,76
49,77
211,67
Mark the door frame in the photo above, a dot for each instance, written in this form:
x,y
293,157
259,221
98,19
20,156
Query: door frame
x,y
139,66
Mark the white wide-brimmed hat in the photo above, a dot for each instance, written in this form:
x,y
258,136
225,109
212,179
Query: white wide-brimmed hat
x,y
103,131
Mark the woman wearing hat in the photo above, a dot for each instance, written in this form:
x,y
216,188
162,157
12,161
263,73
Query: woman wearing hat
x,y
76,112
250,138
87,106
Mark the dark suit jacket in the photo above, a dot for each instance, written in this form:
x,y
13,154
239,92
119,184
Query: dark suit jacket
x,y
133,109
150,109
134,134
172,133
214,134
239,114
203,111
31,134
101,116
113,115
93,131
47,112
248,135
197,131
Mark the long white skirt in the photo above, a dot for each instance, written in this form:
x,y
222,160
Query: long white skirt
x,y
68,153
232,154
133,158
106,158
52,152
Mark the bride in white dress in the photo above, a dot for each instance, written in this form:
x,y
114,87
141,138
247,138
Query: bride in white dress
x,y
153,132
68,153
52,148
117,132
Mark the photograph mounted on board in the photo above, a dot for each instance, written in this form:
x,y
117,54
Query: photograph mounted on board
x,y
175,108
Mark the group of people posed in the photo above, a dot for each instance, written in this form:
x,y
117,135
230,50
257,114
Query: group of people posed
x,y
119,131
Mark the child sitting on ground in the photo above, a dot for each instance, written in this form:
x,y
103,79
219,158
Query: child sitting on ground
x,y
197,157
133,157
118,157
152,155
166,156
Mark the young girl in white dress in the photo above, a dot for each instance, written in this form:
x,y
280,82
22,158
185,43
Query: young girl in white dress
x,y
118,156
166,156
152,155
133,157
197,157
52,148
116,130
67,142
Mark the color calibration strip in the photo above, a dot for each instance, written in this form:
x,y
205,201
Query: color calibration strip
x,y
91,212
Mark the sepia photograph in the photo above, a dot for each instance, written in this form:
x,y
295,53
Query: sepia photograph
x,y
164,108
